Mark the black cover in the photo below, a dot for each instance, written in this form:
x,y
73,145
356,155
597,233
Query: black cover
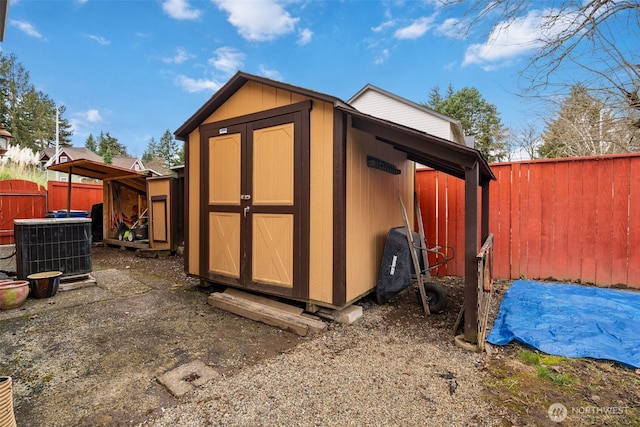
x,y
396,269
96,222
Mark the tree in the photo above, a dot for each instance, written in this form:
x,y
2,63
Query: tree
x,y
585,125
108,143
91,143
599,36
478,118
108,156
167,149
30,115
150,151
523,142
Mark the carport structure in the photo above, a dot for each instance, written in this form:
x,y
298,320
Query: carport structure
x,y
128,193
290,192
458,161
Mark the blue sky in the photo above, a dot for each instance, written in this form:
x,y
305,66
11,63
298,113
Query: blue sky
x,y
137,68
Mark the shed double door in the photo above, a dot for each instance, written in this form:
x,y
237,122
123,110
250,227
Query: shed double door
x,y
254,210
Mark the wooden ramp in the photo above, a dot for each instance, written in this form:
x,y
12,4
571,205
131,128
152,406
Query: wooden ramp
x,y
266,310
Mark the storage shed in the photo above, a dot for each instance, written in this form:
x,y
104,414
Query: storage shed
x,y
291,192
133,198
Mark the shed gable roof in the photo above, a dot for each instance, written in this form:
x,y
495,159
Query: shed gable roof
x,y
430,150
229,88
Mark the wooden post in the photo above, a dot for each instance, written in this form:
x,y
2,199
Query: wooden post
x,y
69,193
471,183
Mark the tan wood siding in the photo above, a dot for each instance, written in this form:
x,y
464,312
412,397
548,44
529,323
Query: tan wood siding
x,y
321,204
373,207
251,98
254,97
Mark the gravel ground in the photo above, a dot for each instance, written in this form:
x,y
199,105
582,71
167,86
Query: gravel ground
x,y
393,367
387,369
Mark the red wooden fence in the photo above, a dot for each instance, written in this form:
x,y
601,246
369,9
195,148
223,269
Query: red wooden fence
x,y
575,219
83,196
21,199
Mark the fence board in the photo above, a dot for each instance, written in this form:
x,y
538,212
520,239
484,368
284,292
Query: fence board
x,y
19,199
604,213
634,219
548,206
574,215
561,219
516,219
500,207
589,222
568,219
620,222
83,196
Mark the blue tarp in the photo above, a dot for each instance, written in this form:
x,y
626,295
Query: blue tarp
x,y
571,320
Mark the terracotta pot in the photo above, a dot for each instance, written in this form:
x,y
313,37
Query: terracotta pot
x,y
7,418
45,284
13,293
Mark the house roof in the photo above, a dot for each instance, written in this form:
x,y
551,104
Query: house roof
x,y
73,153
78,153
125,162
455,126
421,147
398,98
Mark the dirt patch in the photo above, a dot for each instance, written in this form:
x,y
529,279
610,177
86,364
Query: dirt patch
x,y
90,357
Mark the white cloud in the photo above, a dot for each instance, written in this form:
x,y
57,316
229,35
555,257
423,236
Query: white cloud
x,y
92,116
26,28
227,60
197,85
382,57
305,36
181,10
83,120
521,36
451,28
384,26
258,20
416,29
180,57
270,74
99,39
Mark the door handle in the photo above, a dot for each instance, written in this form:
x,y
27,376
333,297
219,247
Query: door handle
x,y
246,211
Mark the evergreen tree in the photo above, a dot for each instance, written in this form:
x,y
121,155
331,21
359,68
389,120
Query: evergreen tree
x,y
478,118
150,151
168,149
108,156
29,115
91,143
107,142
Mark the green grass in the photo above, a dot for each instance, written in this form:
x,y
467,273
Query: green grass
x,y
542,364
27,173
